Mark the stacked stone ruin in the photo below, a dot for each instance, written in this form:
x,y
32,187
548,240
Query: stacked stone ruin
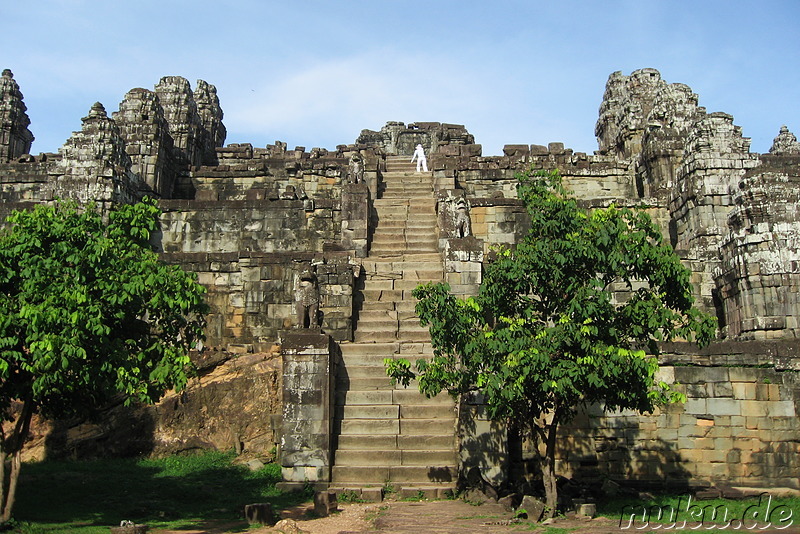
x,y
250,220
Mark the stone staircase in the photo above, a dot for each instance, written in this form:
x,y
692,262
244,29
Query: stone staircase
x,y
391,436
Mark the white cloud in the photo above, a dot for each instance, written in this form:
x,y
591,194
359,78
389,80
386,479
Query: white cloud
x,y
335,99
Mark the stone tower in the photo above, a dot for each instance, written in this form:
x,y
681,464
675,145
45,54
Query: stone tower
x,y
94,165
15,137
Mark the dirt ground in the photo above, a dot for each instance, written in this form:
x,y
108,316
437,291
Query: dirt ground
x,y
450,517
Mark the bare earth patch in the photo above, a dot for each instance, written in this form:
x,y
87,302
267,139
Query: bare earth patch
x,y
451,517
447,517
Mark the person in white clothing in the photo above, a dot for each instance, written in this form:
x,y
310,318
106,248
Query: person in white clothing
x,y
422,161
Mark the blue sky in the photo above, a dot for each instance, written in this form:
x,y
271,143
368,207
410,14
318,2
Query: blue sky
x,y
315,73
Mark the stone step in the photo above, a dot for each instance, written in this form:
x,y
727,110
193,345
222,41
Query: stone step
x,y
378,284
394,215
344,383
378,305
407,194
371,457
380,411
418,231
399,172
391,396
378,314
368,324
400,473
387,250
375,360
416,196
386,239
414,227
405,307
392,442
414,336
413,396
415,348
400,244
367,442
393,212
404,213
416,258
355,349
382,294
406,284
351,398
359,475
420,224
401,177
410,181
371,370
370,426
374,337
423,274
427,411
429,442
375,265
427,426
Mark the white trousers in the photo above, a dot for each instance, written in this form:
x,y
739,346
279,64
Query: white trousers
x,y
422,162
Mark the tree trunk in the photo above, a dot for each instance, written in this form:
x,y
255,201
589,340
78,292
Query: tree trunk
x,y
550,488
11,490
11,449
549,467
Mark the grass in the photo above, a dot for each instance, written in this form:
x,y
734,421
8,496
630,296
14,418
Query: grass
x,y
679,508
176,492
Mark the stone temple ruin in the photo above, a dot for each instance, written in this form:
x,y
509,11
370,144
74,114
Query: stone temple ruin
x,y
309,257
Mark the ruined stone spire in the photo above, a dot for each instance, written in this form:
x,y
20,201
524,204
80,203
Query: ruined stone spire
x,y
213,132
180,111
142,124
95,166
15,137
626,105
786,143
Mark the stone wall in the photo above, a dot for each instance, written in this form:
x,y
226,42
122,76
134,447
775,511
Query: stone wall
x,y
738,426
251,294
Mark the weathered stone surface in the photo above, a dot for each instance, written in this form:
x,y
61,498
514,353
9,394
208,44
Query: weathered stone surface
x,y
534,508
94,164
397,138
15,137
325,503
213,131
306,437
234,403
142,125
260,513
785,144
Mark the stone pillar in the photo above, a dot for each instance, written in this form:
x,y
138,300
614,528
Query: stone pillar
x,y
355,218
306,448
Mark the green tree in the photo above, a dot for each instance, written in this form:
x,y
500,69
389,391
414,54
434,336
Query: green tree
x,y
88,312
546,335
